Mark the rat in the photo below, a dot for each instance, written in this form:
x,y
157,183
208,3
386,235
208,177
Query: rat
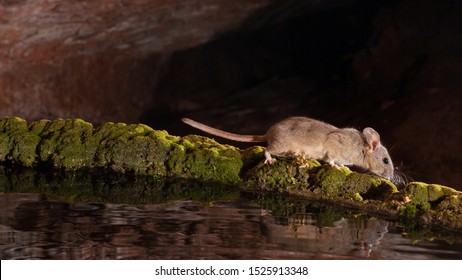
x,y
314,139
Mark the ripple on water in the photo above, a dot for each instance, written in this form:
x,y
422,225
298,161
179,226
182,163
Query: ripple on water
x,y
33,227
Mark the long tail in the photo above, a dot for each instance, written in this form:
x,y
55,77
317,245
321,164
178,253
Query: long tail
x,y
224,134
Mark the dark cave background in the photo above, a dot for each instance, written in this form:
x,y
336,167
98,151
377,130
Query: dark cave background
x,y
393,65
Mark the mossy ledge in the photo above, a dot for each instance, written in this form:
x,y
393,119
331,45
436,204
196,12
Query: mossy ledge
x,y
73,144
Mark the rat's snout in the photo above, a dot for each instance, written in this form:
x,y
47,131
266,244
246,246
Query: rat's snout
x,y
389,173
383,168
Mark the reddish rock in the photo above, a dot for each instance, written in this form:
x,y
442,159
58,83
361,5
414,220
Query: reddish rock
x,y
99,60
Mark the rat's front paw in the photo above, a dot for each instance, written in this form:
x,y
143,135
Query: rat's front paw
x,y
269,160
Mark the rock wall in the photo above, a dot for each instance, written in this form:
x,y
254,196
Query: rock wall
x,y
99,60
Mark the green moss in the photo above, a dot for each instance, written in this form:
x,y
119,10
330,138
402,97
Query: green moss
x,y
270,177
18,144
25,145
135,148
309,178
205,159
176,158
12,124
74,144
66,143
361,183
409,213
451,203
357,197
422,192
38,126
5,146
252,156
331,180
371,187
341,182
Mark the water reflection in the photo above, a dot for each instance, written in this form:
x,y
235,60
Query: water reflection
x,y
35,227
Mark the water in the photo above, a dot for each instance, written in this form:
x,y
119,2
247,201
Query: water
x,y
169,224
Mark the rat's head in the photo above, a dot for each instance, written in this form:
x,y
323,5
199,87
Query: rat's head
x,y
376,156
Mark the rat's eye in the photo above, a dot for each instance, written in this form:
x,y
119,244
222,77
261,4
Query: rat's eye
x,y
386,160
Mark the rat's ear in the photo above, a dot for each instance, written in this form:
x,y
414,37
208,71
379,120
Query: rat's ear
x,y
372,138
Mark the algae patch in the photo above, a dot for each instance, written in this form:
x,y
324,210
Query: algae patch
x,y
205,159
17,143
132,148
434,205
65,143
422,192
74,144
311,179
